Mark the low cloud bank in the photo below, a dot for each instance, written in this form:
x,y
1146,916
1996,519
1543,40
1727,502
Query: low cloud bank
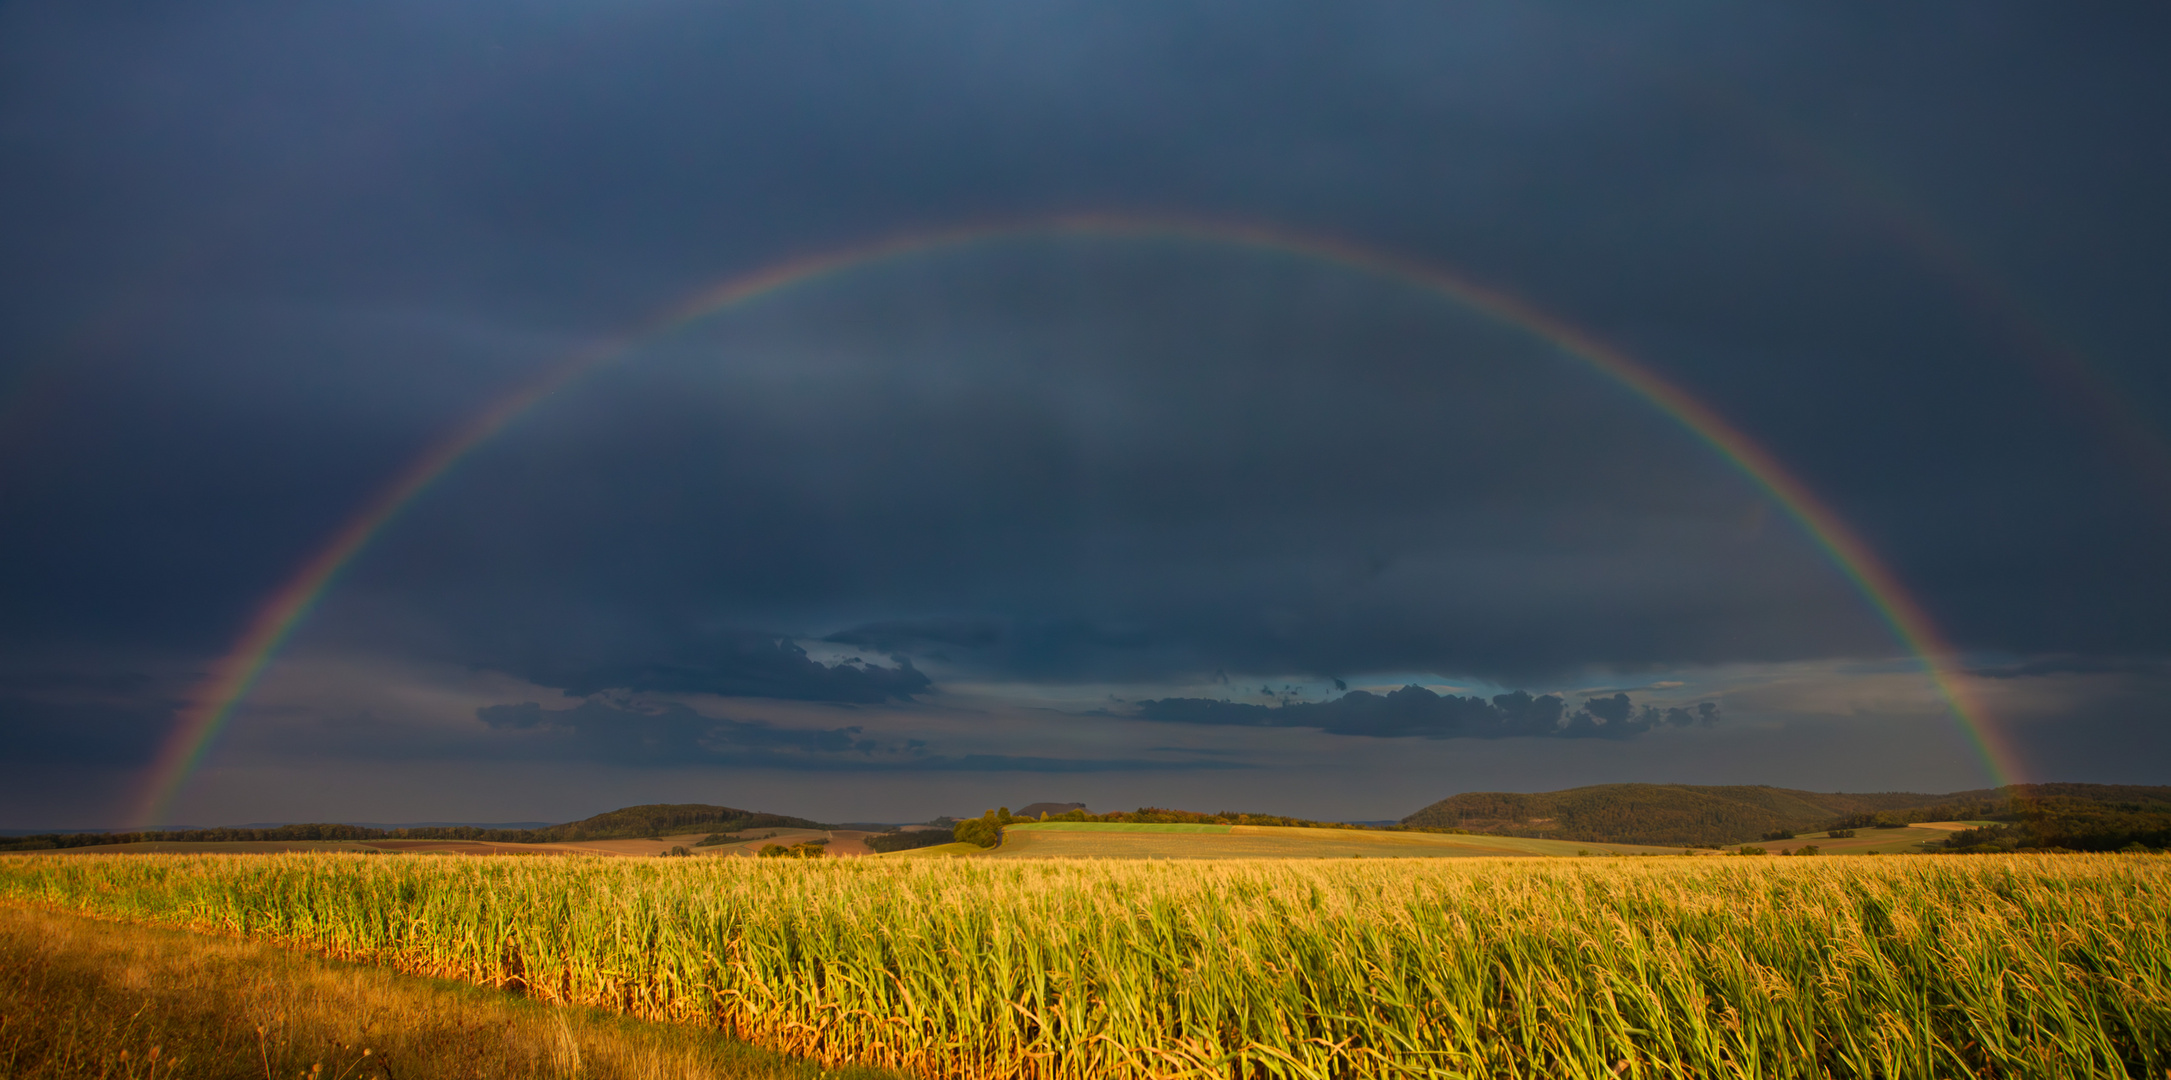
x,y
2076,665
672,734
1415,712
737,664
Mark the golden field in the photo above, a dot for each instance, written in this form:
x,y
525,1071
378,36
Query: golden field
x,y
1899,966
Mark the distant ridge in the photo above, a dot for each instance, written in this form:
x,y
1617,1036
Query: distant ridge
x,y
384,825
654,819
1695,814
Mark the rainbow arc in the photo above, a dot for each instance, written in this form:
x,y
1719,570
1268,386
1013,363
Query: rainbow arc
x,y
213,703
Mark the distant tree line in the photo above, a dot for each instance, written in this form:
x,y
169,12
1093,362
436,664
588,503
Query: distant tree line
x,y
2061,823
987,829
2041,817
713,839
54,841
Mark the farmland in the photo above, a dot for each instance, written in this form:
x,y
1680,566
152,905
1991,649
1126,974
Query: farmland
x,y
1057,839
1903,840
1014,966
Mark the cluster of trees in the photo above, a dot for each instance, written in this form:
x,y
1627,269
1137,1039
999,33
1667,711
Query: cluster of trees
x,y
713,839
985,830
805,849
1900,819
899,840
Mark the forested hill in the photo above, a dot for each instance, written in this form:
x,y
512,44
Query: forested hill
x,y
1693,814
659,819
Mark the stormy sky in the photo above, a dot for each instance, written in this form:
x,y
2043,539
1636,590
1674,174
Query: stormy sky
x,y
1126,518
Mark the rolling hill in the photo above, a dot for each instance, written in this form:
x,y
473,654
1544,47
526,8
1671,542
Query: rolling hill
x,y
1693,814
1654,813
655,819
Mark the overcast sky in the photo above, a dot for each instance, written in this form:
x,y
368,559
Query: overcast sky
x,y
1121,519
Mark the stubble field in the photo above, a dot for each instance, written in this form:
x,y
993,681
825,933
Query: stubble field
x,y
1898,966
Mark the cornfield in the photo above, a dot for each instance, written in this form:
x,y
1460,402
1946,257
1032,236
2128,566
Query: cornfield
x,y
1999,966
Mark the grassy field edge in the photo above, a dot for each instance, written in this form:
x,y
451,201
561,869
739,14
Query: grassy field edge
x,y
84,996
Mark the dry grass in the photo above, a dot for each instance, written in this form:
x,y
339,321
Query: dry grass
x,y
86,998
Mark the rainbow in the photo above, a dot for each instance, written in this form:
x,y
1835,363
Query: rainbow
x,y
212,704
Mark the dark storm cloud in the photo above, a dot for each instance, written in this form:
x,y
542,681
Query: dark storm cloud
x,y
78,711
61,681
731,665
673,735
44,731
1139,460
1415,711
895,634
491,163
260,258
